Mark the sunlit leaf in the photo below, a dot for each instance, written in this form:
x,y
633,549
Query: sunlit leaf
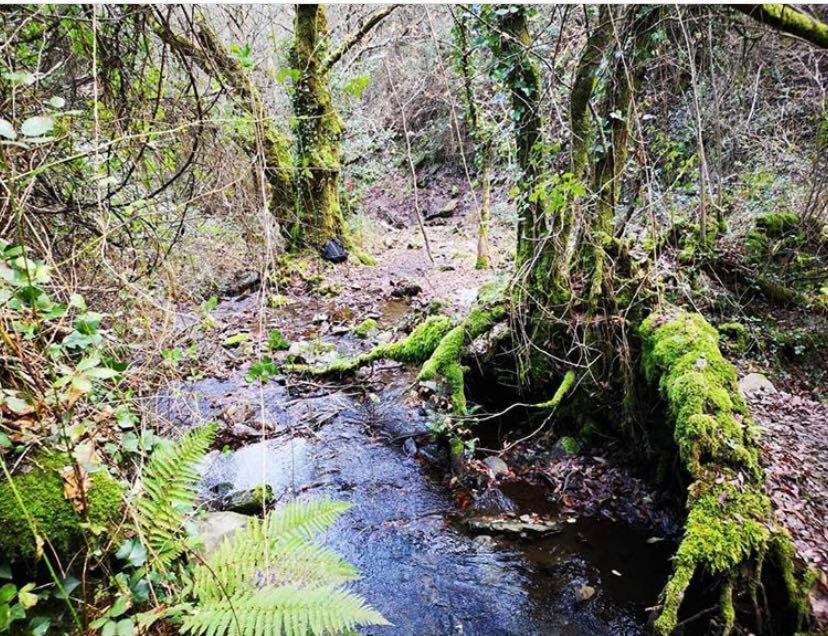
x,y
37,126
7,130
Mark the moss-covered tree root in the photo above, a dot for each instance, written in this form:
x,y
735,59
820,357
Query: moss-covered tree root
x,y
730,531
438,343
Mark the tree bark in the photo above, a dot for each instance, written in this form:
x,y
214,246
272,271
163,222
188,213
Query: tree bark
x,y
318,131
616,115
319,127
481,138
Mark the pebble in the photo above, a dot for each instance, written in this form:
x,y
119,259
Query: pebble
x,y
496,466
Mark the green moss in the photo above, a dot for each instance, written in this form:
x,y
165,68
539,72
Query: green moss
x,y
571,445
729,519
564,387
364,329
437,342
41,493
416,347
777,224
736,334
445,361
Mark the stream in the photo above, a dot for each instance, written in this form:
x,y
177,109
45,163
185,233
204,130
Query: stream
x,y
422,567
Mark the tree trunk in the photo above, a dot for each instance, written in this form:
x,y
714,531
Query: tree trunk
x,y
483,257
480,137
210,55
732,547
318,132
608,175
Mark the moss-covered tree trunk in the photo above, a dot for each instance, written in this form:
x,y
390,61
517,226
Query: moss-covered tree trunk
x,y
318,131
731,544
732,548
630,53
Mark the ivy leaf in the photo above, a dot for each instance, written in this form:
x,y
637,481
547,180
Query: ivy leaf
x,y
26,597
39,625
37,126
7,130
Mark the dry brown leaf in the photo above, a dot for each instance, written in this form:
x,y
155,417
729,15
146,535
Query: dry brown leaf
x,y
76,484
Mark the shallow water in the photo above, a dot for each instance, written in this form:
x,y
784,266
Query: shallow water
x,y
421,568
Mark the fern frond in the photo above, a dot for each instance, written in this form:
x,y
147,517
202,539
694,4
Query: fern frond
x,y
169,492
260,555
305,518
240,566
285,610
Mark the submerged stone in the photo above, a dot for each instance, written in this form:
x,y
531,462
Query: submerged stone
x,y
214,527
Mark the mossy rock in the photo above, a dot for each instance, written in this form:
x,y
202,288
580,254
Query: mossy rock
x,y
41,491
365,328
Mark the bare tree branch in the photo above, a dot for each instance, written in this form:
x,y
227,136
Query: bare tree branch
x,y
352,40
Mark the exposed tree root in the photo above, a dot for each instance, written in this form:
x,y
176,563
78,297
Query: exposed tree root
x,y
730,531
438,342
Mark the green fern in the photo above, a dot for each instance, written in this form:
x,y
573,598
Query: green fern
x,y
272,578
169,492
288,610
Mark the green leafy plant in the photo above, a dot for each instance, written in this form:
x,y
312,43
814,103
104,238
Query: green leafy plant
x,y
273,578
262,370
356,86
277,342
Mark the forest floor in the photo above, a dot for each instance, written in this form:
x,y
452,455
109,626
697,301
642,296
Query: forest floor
x,y
320,306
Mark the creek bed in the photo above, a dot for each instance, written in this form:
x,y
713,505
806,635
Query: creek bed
x,y
422,568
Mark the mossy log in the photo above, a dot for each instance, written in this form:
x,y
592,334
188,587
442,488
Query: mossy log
x,y
730,532
438,343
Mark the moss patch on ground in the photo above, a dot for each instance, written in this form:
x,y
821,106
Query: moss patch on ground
x,y
41,493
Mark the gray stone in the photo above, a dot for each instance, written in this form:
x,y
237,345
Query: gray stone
x,y
410,447
446,211
496,466
584,593
756,383
509,526
214,527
